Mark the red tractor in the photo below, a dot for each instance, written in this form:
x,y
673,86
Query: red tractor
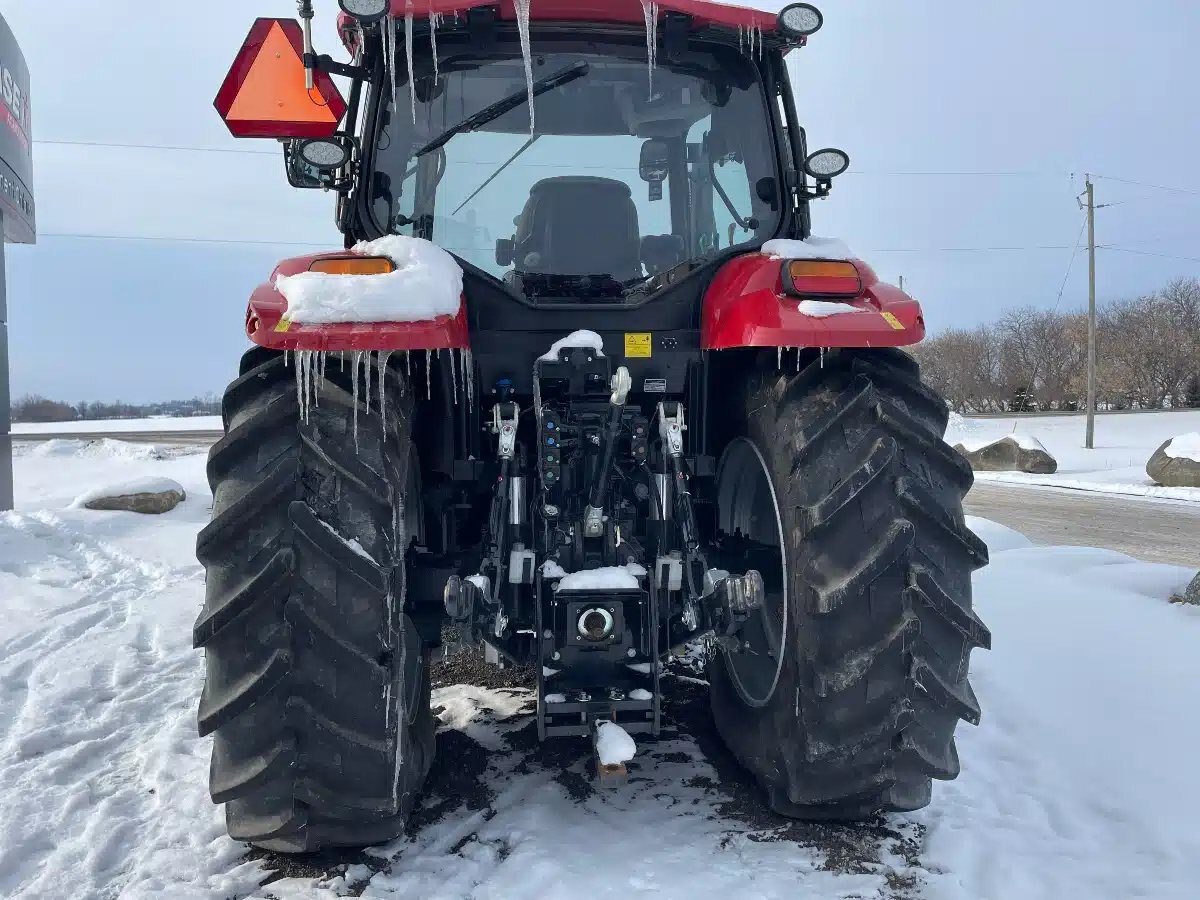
x,y
582,388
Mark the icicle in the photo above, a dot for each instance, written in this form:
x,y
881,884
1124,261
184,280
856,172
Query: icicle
x,y
469,375
387,31
454,374
779,357
408,56
741,40
383,364
428,374
407,364
367,382
522,10
797,360
287,358
650,14
355,360
435,19
342,357
822,357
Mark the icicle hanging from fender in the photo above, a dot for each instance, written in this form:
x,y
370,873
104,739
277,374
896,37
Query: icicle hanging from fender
x,y
454,374
355,362
469,375
428,374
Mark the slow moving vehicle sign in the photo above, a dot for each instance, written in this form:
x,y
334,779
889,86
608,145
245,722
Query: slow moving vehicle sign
x,y
16,142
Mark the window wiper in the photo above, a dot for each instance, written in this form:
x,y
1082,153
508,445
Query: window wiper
x,y
511,102
504,165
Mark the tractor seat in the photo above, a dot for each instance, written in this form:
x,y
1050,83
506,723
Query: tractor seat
x,y
578,225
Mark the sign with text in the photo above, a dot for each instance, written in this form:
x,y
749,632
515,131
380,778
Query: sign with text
x,y
16,142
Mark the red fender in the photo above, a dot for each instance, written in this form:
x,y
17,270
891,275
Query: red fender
x,y
745,306
266,326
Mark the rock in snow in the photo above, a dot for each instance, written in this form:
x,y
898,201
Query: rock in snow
x,y
1177,462
1191,593
1011,453
150,496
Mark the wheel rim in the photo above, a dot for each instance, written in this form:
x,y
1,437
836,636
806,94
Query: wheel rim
x,y
747,504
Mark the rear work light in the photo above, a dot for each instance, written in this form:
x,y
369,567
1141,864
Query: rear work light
x,y
354,265
821,278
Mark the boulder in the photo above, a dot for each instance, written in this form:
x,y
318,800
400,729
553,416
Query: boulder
x,y
1177,462
1191,593
149,496
1011,453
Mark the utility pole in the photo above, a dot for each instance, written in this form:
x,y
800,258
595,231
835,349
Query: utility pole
x,y
1090,440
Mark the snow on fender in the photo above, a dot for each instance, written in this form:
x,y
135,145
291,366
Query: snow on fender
x,y
426,284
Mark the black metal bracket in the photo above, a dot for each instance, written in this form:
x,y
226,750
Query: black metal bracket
x,y
676,27
326,63
481,26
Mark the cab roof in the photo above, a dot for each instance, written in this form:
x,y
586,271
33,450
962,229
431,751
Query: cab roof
x,y
621,12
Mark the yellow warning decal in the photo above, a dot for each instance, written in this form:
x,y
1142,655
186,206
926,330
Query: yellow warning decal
x,y
284,324
639,344
893,321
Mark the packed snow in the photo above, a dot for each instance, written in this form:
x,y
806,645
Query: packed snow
x,y
640,694
551,569
426,283
1081,780
608,578
810,248
584,339
823,309
1117,465
613,744
1186,446
146,485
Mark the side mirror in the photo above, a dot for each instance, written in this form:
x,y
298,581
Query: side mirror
x,y
505,250
826,165
654,165
654,162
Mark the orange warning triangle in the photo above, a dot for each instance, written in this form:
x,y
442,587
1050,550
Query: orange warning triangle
x,y
264,94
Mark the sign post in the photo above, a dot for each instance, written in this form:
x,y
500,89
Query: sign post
x,y
18,222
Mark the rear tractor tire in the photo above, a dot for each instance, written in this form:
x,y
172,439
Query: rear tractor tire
x,y
317,682
848,705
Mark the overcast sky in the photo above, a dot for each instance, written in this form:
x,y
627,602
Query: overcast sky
x,y
1047,89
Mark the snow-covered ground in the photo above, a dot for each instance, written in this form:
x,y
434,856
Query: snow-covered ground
x,y
1117,465
121,426
1081,781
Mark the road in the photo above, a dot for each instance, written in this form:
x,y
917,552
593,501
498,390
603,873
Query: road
x,y
1154,531
137,437
1149,530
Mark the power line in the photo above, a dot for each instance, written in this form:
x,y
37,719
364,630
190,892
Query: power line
x,y
1156,187
1070,263
178,147
1148,253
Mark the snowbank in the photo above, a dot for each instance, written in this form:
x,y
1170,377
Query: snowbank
x,y
582,338
810,248
427,283
1124,441
1186,446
